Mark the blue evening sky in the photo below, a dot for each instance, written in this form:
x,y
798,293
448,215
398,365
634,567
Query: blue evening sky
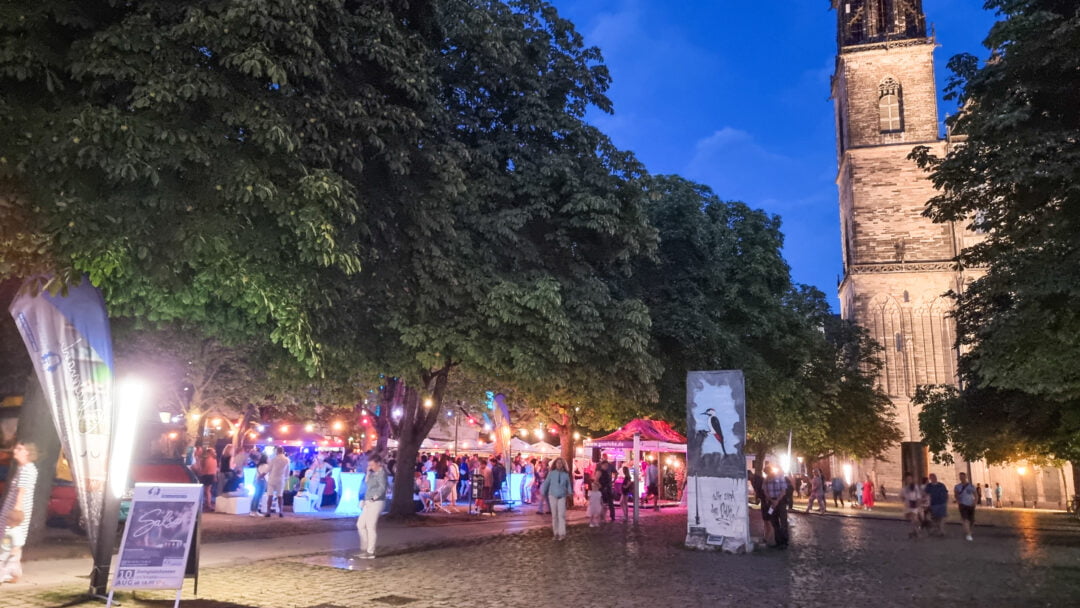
x,y
735,95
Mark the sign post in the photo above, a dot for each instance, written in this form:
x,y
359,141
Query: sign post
x,y
158,538
717,514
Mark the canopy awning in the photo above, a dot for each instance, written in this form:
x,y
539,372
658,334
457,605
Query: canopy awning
x,y
656,436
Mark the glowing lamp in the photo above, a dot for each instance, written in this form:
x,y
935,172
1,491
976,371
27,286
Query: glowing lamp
x,y
309,427
165,417
131,395
428,402
577,435
1021,470
337,425
173,435
284,428
253,434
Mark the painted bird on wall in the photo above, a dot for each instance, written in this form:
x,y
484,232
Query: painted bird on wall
x,y
714,423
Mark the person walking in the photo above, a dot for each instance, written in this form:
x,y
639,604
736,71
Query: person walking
x,y
911,496
837,492
939,502
555,489
207,464
607,483
964,493
627,493
16,512
817,492
262,470
997,495
595,510
275,481
372,507
775,507
652,475
538,483
868,493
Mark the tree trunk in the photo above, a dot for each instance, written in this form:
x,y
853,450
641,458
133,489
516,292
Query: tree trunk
x,y
390,397
1076,479
36,426
416,422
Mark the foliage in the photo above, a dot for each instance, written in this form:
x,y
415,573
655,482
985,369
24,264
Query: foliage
x,y
721,298
205,161
512,276
1014,177
192,375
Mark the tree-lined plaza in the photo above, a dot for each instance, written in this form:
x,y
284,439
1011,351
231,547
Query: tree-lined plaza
x,y
295,210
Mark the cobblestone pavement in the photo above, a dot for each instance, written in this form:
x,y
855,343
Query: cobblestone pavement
x,y
833,561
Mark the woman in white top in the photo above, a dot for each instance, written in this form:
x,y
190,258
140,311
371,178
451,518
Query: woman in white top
x,y
15,514
912,496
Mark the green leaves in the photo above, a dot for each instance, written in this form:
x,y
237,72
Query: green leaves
x,y
1014,179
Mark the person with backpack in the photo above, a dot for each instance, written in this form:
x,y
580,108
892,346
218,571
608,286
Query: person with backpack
x,y
964,493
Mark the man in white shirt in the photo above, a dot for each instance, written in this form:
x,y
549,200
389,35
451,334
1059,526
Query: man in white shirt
x,y
275,481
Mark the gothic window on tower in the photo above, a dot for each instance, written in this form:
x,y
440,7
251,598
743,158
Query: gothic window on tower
x,y
889,106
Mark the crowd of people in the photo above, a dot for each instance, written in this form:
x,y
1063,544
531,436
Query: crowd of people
x,y
279,476
925,504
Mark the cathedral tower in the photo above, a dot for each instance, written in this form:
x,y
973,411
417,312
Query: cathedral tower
x,y
897,264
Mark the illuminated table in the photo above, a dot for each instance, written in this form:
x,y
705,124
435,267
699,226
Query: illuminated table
x,y
349,503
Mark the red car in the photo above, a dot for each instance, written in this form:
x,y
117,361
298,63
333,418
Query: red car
x,y
63,508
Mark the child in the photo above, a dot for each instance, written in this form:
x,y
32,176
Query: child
x,y
596,505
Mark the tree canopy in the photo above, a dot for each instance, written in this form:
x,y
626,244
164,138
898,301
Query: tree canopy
x,y
720,296
205,161
1013,178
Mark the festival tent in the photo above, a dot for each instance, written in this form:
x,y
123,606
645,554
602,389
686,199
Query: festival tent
x,y
656,436
519,445
544,448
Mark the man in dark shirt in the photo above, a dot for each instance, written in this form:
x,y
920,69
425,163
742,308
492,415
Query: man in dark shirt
x,y
939,504
605,479
776,497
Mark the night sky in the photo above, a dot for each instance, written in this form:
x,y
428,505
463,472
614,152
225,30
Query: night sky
x,y
735,95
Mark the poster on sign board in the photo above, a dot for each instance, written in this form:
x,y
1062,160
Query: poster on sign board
x,y
158,536
716,494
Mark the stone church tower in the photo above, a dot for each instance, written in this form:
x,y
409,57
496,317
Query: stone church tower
x,y
897,264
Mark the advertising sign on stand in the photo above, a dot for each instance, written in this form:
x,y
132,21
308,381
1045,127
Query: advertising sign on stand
x,y
715,465
158,537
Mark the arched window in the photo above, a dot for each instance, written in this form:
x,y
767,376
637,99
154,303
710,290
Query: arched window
x,y
890,115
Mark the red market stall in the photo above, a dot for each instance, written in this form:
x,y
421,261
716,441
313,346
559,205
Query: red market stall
x,y
642,435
